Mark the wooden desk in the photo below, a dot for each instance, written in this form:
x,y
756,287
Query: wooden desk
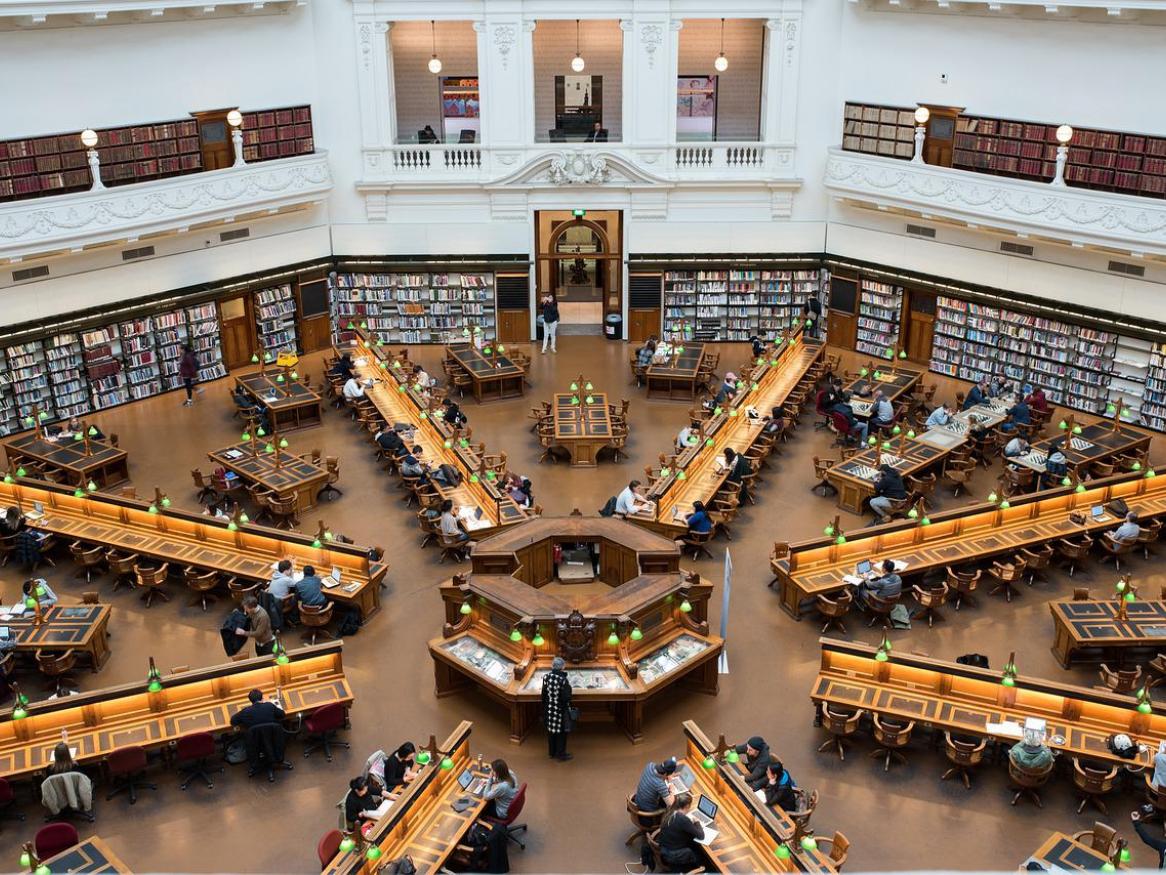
x,y
290,404
948,696
748,831
91,857
421,823
186,538
1098,442
1059,851
280,472
854,478
105,465
102,721
494,377
894,383
677,373
967,534
776,378
582,429
396,402
1094,626
84,628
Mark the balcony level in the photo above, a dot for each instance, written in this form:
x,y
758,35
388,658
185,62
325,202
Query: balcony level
x,y
26,14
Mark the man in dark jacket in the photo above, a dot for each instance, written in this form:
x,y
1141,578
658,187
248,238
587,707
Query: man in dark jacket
x,y
188,371
889,488
258,712
756,753
550,310
556,708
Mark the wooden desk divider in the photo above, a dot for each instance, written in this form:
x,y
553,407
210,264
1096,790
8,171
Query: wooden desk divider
x,y
236,548
967,534
752,837
100,721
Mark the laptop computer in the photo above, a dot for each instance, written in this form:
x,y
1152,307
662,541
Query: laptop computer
x,y
705,815
1098,513
863,568
471,783
38,511
681,780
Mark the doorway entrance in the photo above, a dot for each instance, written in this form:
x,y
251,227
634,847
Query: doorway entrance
x,y
580,262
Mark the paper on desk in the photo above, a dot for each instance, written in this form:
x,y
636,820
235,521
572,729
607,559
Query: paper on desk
x,y
381,810
1008,728
760,794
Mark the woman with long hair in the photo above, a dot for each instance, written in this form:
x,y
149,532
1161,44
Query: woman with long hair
x,y
679,834
500,790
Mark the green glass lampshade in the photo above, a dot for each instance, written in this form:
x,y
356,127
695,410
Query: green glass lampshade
x,y
78,492
880,656
283,443
364,324
269,449
491,475
1108,867
347,844
664,472
782,851
261,432
1066,481
446,763
828,531
243,518
8,478
255,357
501,348
231,527
42,869
886,445
155,685
165,501
1110,409
26,859
809,843
1130,597
760,361
992,497
1008,681
637,635
878,375
448,444
680,475
773,362
294,375
896,430
153,508
279,378
925,521
423,757
373,852
29,421
40,591
268,357
732,412
1005,504
732,756
872,440
1125,412
613,639
590,399
709,763
515,635
588,386
1137,466
20,472
245,436
463,442
902,354
708,442
679,349
1124,856
465,332
283,658
574,399
1080,487
486,351
538,640
574,386
77,436
1145,708
328,536
474,478
466,608
740,384
401,388
913,514
396,365
1076,429
717,411
91,486
19,712
316,543
685,606
1149,473
911,433
753,385
30,603
840,540
1062,425
890,352
380,343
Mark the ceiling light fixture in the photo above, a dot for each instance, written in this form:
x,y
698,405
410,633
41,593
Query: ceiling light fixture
x,y
721,64
434,61
577,62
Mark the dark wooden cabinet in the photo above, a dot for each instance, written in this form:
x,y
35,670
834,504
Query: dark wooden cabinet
x,y
236,331
841,323
939,144
920,325
642,324
514,326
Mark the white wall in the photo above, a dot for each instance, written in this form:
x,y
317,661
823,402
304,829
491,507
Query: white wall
x,y
601,44
419,91
739,87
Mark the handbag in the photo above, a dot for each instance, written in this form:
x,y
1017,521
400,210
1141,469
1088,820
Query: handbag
x,y
403,866
572,718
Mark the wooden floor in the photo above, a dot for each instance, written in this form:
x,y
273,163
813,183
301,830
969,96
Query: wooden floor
x,y
907,819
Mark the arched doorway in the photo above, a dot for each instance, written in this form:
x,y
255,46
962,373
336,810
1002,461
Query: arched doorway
x,y
579,261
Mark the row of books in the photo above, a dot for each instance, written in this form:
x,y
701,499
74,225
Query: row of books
x,y
736,303
401,307
880,308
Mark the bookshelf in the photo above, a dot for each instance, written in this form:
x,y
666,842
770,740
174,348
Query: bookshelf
x,y
879,130
70,390
1130,373
101,351
275,318
1154,401
879,311
679,302
140,358
29,378
735,303
202,324
8,413
1090,367
170,335
277,133
414,307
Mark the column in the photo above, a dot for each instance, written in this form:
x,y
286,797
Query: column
x,y
779,93
649,79
374,76
506,80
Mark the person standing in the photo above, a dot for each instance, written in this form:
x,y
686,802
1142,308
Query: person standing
x,y
550,321
556,704
260,626
188,371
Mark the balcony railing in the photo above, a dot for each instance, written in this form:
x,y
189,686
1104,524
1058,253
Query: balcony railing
x,y
1073,215
70,221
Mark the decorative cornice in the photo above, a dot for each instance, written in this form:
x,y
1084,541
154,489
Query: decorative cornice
x,y
77,13
86,218
1075,215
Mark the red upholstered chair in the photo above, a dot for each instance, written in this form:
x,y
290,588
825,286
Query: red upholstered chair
x,y
328,847
52,838
126,767
515,809
192,753
322,725
7,799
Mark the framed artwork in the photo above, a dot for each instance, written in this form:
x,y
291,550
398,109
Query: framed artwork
x,y
696,107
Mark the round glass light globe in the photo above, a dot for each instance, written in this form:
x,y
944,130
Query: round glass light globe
x,y
435,65
577,64
234,118
89,138
922,114
721,64
1064,134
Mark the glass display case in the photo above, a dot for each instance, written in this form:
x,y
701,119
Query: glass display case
x,y
670,657
488,661
581,679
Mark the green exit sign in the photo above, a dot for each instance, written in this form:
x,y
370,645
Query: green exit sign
x,y
578,214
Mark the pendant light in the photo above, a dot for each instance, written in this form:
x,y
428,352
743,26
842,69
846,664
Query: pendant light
x,y
721,64
577,62
434,61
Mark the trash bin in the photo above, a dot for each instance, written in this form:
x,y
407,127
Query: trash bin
x,y
613,326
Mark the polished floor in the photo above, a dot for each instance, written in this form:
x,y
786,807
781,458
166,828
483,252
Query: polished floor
x,y
907,819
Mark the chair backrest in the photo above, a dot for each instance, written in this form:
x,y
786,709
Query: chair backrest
x,y
840,722
516,805
1103,836
52,838
195,746
126,760
839,848
1080,593
964,752
328,846
326,718
55,663
152,576
316,615
1029,776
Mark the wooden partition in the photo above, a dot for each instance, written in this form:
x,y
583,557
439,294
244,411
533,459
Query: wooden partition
x,y
196,540
969,534
101,721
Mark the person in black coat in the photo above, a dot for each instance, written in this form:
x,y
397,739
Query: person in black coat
x,y
756,753
678,836
556,709
258,712
550,313
778,787
889,488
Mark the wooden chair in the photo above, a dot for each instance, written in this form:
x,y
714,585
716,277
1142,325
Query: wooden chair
x,y
1151,529
316,620
1114,549
840,724
1102,469
1074,552
452,548
546,440
922,487
1036,559
1028,781
880,609
1122,681
1093,782
56,667
833,610
653,839
91,559
430,526
964,754
539,414
724,511
837,848
206,492
697,542
123,568
151,580
332,463
240,589
958,474
891,736
1007,574
1081,594
284,512
807,804
91,598
1019,479
619,441
202,584
963,584
821,470
644,822
1101,838
930,601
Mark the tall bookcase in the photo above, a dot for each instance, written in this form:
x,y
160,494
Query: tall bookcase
x,y
275,317
170,335
879,311
70,391
277,133
29,375
735,303
9,414
414,307
1130,375
140,358
203,334
101,350
879,130
1154,401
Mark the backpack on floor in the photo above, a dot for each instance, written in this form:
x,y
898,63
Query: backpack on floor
x,y
349,624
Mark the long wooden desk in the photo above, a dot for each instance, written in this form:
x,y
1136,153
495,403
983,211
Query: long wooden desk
x,y
104,464
1094,626
968,534
854,478
493,377
279,471
677,373
776,378
91,857
84,628
102,721
895,383
421,823
958,698
397,403
290,404
1098,442
186,538
1059,851
583,429
748,831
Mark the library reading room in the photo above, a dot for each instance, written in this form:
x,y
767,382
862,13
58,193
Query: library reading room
x,y
622,437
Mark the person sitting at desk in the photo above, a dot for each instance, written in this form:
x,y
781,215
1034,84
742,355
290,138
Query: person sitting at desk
x,y
359,802
597,134
1056,465
260,626
258,712
779,787
1129,530
1018,446
389,440
978,394
997,387
887,586
520,493
310,590
353,388
889,488
451,524
775,422
74,426
400,767
422,379
941,415
739,468
688,436
283,582
628,502
453,414
882,412
728,390
699,523
1018,414
1031,752
343,367
652,791
645,353
411,465
66,788
842,407
678,835
12,522
500,790
42,591
1035,399
756,753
